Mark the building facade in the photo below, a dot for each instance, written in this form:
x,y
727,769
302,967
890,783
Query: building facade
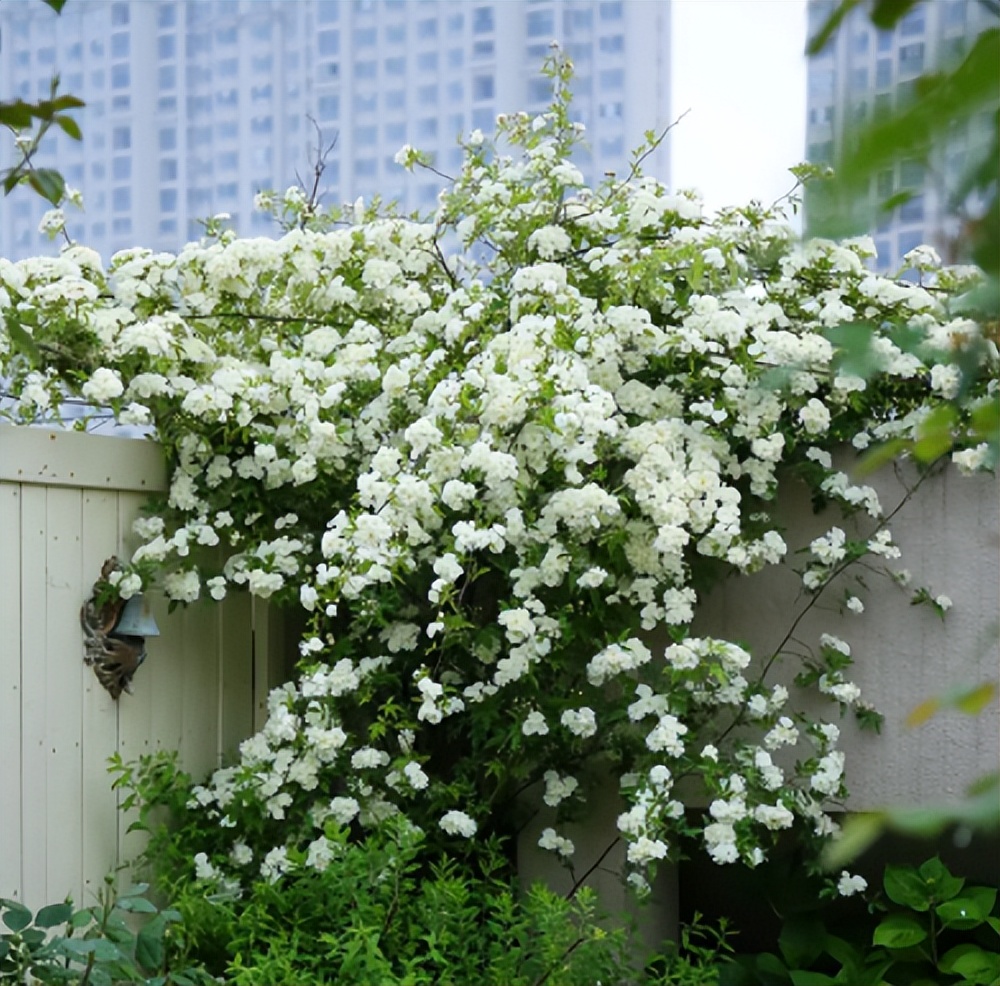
x,y
865,71
193,106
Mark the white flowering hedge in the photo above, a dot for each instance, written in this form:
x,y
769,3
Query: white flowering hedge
x,y
497,456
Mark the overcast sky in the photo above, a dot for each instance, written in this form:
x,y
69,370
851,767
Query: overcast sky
x,y
739,67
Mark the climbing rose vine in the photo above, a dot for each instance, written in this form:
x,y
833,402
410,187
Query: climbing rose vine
x,y
495,456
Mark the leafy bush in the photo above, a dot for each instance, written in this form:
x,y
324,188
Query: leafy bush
x,y
929,929
93,946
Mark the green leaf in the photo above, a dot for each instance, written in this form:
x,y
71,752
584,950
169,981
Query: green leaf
x,y
53,914
100,948
973,963
70,127
138,905
17,115
886,13
972,908
899,931
48,183
56,5
802,940
803,977
16,916
149,951
904,885
935,434
137,890
941,884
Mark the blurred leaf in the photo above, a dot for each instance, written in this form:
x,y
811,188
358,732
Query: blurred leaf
x,y
70,127
886,13
971,701
858,833
17,115
54,914
56,5
854,354
881,455
935,434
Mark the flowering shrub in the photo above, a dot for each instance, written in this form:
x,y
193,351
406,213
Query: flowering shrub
x,y
496,456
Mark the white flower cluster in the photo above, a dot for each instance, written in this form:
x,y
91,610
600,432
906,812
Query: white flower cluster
x,y
482,480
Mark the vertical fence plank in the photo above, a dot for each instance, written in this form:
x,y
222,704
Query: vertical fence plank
x,y
200,663
99,835
10,688
236,674
34,698
63,686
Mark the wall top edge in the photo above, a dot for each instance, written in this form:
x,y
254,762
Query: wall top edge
x,y
50,457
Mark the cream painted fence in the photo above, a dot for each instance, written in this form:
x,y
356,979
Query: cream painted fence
x,y
67,502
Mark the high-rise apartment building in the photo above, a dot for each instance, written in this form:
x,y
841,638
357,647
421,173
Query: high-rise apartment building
x,y
865,71
193,106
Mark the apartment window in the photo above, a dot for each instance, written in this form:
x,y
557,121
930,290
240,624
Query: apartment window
x,y
228,191
258,93
539,90
199,105
366,102
261,125
365,167
166,45
395,33
226,68
455,23
913,23
883,73
611,110
121,138
227,130
427,128
119,45
119,14
395,132
456,93
483,119
364,37
456,57
228,97
121,168
121,198
860,43
120,77
97,171
166,77
168,227
912,211
365,136
859,79
613,44
166,15
911,58
611,11
395,66
427,28
261,31
329,107
395,99
540,23
226,36
97,231
168,200
954,14
482,20
97,49
365,70
122,226
911,174
168,169
427,95
427,61
330,70
612,79
482,50
228,161
121,104
579,19
482,87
